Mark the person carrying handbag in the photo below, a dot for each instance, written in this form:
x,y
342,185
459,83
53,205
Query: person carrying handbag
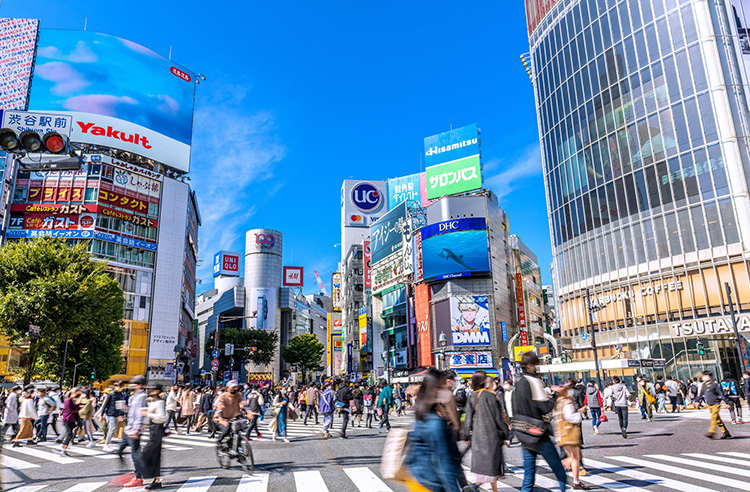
x,y
568,431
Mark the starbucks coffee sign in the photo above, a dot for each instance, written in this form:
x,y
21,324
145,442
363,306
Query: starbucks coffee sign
x,y
709,326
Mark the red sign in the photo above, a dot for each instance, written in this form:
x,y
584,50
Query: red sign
x,y
536,10
117,200
47,222
367,261
52,208
231,263
294,276
135,219
524,338
86,222
52,194
179,73
424,331
418,241
519,296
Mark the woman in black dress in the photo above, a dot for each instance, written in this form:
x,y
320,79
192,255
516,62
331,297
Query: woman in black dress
x,y
150,458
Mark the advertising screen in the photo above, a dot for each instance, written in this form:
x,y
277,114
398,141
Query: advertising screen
x,y
451,146
408,188
336,293
470,320
226,263
367,266
424,329
456,248
17,42
386,235
263,300
119,93
454,177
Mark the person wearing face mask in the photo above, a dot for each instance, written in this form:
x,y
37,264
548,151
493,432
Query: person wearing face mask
x,y
228,406
646,398
711,392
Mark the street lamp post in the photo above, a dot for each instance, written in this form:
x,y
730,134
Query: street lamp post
x,y
75,370
443,340
734,324
593,337
65,358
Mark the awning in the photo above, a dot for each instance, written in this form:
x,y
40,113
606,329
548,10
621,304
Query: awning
x,y
468,372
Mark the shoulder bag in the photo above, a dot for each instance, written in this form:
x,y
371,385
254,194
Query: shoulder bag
x,y
530,431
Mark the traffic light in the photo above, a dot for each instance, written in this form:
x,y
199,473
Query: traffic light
x,y
93,374
31,141
699,343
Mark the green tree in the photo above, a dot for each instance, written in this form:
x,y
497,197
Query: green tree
x,y
303,353
63,290
263,341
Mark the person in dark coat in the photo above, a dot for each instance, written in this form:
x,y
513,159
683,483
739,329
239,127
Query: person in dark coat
x,y
486,431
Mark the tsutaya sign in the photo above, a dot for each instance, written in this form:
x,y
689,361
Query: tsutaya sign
x,y
710,326
599,302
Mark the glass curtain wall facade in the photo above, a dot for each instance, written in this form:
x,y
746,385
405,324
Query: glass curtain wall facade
x,y
642,116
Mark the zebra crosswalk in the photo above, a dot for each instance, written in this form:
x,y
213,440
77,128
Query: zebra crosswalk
x,y
693,472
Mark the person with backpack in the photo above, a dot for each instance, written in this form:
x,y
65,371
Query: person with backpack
x,y
113,412
385,402
693,390
313,399
712,393
254,408
593,400
732,392
343,399
325,407
368,400
660,390
462,395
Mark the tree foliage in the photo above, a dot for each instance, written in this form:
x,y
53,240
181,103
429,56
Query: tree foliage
x,y
63,290
264,341
303,353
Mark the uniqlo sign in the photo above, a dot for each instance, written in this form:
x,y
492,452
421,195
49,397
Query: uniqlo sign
x,y
226,263
294,276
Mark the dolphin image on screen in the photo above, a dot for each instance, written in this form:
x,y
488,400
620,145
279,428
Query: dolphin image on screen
x,y
450,255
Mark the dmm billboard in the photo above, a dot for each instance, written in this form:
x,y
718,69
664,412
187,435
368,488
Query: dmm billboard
x,y
455,248
470,320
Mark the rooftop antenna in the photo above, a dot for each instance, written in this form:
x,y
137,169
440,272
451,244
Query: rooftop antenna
x,y
85,22
170,52
451,120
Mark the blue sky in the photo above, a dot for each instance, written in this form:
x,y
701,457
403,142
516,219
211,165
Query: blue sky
x,y
301,95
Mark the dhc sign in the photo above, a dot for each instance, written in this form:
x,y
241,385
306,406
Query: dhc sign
x,y
366,197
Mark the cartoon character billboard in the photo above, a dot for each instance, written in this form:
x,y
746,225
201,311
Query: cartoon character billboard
x,y
470,320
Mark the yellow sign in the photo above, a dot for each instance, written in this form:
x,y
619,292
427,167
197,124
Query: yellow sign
x,y
519,351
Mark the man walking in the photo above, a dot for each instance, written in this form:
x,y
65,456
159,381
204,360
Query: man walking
x,y
45,406
530,404
10,414
113,412
620,395
313,398
711,392
733,393
672,388
254,407
134,428
173,398
385,402
326,408
343,397
661,395
55,395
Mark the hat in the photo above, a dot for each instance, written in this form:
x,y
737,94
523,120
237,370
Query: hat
x,y
152,387
140,380
232,384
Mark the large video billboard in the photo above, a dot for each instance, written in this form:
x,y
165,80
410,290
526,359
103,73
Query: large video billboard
x,y
455,248
120,94
453,162
451,146
386,235
470,320
264,301
17,42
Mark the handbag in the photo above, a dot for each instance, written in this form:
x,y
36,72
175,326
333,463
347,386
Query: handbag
x,y
291,414
603,418
380,411
393,466
530,431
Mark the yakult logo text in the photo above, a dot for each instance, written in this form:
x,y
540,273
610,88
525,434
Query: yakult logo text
x,y
267,240
133,138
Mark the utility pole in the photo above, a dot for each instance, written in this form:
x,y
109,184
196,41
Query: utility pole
x,y
593,338
734,325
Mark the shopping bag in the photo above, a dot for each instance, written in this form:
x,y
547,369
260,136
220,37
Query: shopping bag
x,y
393,465
603,418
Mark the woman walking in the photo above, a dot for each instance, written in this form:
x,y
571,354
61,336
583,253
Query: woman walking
x,y
281,405
594,401
433,457
150,458
568,431
368,400
70,418
27,415
187,403
85,413
356,406
485,430
620,395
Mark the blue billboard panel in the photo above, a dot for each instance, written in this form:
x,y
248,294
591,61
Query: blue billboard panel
x,y
404,189
450,146
457,249
386,235
88,72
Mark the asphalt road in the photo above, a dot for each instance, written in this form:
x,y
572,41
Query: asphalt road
x,y
670,453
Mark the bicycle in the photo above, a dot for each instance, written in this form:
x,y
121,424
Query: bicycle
x,y
236,447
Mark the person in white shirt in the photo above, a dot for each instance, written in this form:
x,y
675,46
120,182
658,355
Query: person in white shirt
x,y
27,415
672,388
44,406
173,397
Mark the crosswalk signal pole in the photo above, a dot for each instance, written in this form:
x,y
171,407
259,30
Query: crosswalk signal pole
x,y
593,338
734,325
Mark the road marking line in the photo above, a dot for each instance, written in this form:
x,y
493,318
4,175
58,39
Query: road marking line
x,y
87,452
198,484
366,480
500,483
711,466
200,444
28,488
540,480
86,487
656,480
680,472
722,459
253,483
16,464
63,460
310,481
174,448
735,454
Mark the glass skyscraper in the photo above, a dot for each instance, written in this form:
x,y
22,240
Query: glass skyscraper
x,y
643,112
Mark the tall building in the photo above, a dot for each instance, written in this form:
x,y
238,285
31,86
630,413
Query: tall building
x,y
644,129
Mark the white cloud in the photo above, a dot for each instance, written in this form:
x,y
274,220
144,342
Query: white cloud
x,y
169,105
103,104
233,159
66,78
80,54
512,172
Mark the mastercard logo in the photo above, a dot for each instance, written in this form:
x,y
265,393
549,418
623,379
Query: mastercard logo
x,y
356,219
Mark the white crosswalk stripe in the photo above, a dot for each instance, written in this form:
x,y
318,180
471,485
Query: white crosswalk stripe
x,y
28,488
38,453
365,480
86,487
253,483
200,484
700,464
310,481
680,471
722,459
16,464
645,477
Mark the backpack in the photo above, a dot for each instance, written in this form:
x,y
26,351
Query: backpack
x,y
461,397
729,388
368,400
326,400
